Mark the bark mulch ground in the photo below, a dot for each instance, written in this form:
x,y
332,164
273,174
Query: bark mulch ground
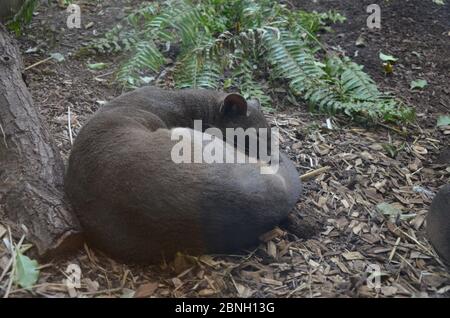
x,y
364,212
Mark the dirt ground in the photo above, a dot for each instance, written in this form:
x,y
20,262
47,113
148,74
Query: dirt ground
x,y
336,236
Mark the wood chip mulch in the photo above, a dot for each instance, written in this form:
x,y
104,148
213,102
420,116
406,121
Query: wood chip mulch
x,y
360,220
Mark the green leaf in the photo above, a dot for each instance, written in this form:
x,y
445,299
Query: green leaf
x,y
27,272
392,212
147,79
57,56
388,209
419,84
439,2
387,58
127,293
97,66
393,150
443,121
227,83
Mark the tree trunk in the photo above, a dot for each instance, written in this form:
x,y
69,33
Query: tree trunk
x,y
8,8
31,168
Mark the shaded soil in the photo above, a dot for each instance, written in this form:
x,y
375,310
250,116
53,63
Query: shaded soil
x,y
416,32
336,233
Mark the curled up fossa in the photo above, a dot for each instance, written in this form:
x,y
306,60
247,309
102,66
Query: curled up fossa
x,y
137,205
438,223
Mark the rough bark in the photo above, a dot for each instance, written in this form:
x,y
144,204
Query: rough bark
x,y
8,8
31,168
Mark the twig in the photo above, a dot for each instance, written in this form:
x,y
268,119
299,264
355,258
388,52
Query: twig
x,y
402,133
423,247
105,74
18,290
109,291
14,250
38,63
10,263
6,269
13,270
314,173
394,249
299,288
69,124
409,264
4,136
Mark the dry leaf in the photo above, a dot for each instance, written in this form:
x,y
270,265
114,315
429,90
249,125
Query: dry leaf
x,y
243,291
272,249
388,290
2,231
271,281
351,256
206,292
92,286
146,290
420,150
268,236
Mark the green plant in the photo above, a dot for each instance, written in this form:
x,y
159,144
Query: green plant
x,y
393,150
443,120
65,3
418,84
23,16
249,45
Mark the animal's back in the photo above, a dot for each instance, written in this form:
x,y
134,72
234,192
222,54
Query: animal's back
x,y
438,223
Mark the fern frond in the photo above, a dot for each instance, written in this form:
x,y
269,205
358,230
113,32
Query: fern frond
x,y
195,72
244,79
238,43
292,59
357,83
187,23
146,57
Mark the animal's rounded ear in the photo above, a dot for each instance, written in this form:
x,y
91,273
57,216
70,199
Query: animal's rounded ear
x,y
234,104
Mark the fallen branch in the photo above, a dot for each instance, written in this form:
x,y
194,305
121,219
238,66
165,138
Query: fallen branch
x,y
38,63
314,173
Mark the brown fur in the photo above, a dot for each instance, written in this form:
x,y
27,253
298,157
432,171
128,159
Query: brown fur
x,y
137,205
438,223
